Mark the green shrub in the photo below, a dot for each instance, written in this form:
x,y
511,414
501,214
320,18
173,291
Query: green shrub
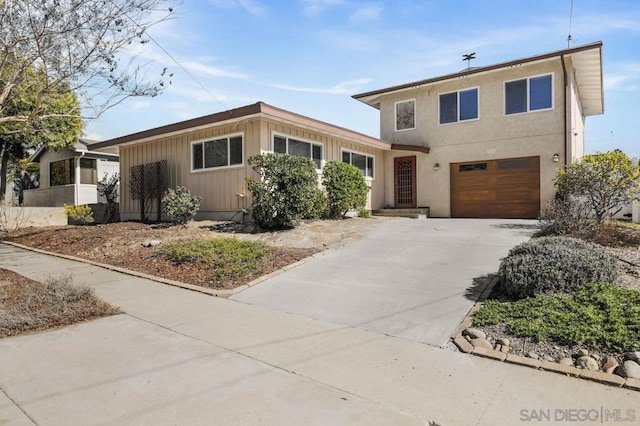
x,y
554,264
180,205
286,192
364,213
228,258
82,213
601,316
345,187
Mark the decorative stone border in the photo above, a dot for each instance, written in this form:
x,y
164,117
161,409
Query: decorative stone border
x,y
568,370
217,293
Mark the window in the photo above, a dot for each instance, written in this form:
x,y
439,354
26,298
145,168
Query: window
x,y
405,115
62,172
286,145
363,162
472,167
88,171
459,106
221,152
529,94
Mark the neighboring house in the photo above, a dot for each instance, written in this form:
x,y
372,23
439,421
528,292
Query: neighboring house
x,y
483,142
69,176
486,141
208,155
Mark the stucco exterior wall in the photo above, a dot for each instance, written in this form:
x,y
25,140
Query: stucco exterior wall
x,y
493,135
47,158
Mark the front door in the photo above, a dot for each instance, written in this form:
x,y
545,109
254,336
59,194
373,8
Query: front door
x,y
404,172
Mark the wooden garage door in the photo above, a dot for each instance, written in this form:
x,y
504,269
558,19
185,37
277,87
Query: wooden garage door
x,y
506,188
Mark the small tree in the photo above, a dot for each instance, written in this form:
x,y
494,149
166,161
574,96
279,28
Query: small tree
x,y
286,192
607,181
345,187
109,188
180,205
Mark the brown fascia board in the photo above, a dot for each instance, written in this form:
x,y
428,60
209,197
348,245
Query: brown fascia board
x,y
415,148
245,111
477,70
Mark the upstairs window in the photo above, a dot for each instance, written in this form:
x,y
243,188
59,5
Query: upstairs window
x,y
363,162
529,94
405,115
291,146
220,152
459,106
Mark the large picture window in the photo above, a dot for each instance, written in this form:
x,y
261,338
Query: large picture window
x,y
363,162
459,106
62,172
291,146
220,152
405,114
529,94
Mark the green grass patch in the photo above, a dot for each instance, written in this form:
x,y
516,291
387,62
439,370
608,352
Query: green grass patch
x,y
599,316
228,258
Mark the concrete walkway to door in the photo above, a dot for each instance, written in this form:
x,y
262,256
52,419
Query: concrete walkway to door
x,y
414,279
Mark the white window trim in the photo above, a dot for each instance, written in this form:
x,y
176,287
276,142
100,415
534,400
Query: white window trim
x,y
214,138
458,121
415,115
287,137
343,150
528,111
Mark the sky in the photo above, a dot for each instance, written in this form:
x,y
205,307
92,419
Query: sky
x,y
311,56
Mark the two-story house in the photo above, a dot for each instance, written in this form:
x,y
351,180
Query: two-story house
x,y
486,141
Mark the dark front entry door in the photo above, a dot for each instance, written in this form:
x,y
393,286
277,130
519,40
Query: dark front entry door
x,y
404,169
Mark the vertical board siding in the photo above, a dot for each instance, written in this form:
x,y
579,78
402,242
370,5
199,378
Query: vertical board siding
x,y
218,187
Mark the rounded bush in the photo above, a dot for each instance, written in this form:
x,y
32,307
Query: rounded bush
x,y
345,186
180,205
555,264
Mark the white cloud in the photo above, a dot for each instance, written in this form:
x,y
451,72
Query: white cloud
x,y
212,71
252,7
140,104
623,77
367,13
94,136
315,7
344,88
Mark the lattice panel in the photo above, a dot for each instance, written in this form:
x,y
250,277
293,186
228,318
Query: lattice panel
x,y
149,180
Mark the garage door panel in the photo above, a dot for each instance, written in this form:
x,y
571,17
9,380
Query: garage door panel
x,y
507,188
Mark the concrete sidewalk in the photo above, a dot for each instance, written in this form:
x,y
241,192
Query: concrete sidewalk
x,y
181,357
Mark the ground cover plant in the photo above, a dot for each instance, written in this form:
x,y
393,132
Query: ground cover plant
x,y
27,305
227,258
599,316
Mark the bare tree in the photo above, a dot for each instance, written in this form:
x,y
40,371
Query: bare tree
x,y
84,46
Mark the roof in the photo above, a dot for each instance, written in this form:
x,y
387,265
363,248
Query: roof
x,y
259,109
82,145
587,62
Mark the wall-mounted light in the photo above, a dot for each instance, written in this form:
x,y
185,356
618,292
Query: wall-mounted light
x,y
436,167
556,158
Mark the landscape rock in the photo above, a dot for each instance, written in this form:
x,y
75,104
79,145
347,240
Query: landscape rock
x,y
504,341
583,352
588,363
609,364
151,243
532,355
633,356
481,343
505,349
566,361
474,333
630,369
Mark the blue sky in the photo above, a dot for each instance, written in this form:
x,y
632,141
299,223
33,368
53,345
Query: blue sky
x,y
310,56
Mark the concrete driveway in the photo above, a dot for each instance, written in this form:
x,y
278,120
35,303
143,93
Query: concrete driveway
x,y
414,279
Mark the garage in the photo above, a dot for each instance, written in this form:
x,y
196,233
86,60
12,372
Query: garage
x,y
505,188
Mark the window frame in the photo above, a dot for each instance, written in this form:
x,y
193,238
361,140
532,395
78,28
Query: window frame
x,y
71,162
395,114
311,145
228,137
458,109
373,157
528,99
